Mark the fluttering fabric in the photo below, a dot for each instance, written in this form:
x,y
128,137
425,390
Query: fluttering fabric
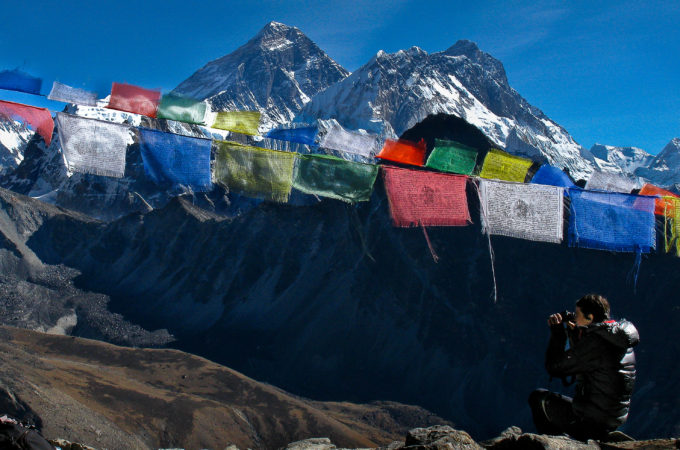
x,y
255,172
134,99
337,138
175,159
672,235
16,80
612,182
244,122
403,152
552,176
93,146
328,176
40,119
525,211
500,165
420,198
664,204
611,221
452,156
182,109
63,93
302,135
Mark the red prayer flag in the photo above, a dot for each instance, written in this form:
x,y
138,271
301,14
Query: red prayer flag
x,y
426,198
134,99
662,206
40,119
405,152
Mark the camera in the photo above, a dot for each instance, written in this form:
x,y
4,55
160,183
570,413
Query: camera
x,y
568,316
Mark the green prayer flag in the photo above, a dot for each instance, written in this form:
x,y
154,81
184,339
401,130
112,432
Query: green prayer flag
x,y
328,176
255,172
452,156
181,109
244,122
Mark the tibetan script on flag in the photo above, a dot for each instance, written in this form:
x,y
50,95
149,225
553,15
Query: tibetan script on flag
x,y
419,198
255,172
451,156
134,99
404,152
93,146
244,122
40,119
525,211
333,177
500,165
67,94
175,159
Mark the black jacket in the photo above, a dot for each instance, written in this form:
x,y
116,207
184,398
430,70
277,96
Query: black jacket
x,y
601,358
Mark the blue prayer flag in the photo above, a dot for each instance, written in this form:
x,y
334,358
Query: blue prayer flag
x,y
175,159
611,221
303,135
552,176
16,80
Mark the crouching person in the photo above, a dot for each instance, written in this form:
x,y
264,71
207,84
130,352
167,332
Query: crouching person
x,y
601,360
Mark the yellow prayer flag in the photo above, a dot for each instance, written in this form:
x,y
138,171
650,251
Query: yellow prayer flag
x,y
672,219
244,122
500,165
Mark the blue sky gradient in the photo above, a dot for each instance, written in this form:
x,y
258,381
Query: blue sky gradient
x,y
608,71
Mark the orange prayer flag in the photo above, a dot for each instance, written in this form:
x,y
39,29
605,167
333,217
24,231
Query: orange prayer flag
x,y
404,152
134,99
663,206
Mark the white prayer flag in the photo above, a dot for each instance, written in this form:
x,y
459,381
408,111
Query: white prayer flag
x,y
525,211
67,94
337,138
93,146
610,182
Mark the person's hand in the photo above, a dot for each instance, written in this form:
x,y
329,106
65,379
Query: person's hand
x,y
554,320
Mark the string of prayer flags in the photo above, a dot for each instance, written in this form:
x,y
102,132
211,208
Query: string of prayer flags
x,y
329,176
525,211
63,93
404,152
673,240
500,165
40,119
452,156
93,146
16,80
134,99
611,221
244,122
302,135
552,176
420,198
664,204
610,182
182,109
337,138
255,172
176,159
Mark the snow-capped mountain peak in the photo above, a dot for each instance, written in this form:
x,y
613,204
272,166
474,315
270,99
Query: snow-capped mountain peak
x,y
620,159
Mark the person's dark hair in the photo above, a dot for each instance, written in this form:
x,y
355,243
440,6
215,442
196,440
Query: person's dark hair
x,y
596,305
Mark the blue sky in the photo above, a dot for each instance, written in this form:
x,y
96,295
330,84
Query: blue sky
x,y
608,71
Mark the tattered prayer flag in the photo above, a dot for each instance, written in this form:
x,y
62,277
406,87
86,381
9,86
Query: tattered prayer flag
x,y
16,80
451,156
40,119
504,166
175,159
93,146
67,94
552,176
420,198
610,182
611,221
182,109
664,205
333,177
404,152
302,135
134,99
337,138
255,172
525,211
672,238
244,122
